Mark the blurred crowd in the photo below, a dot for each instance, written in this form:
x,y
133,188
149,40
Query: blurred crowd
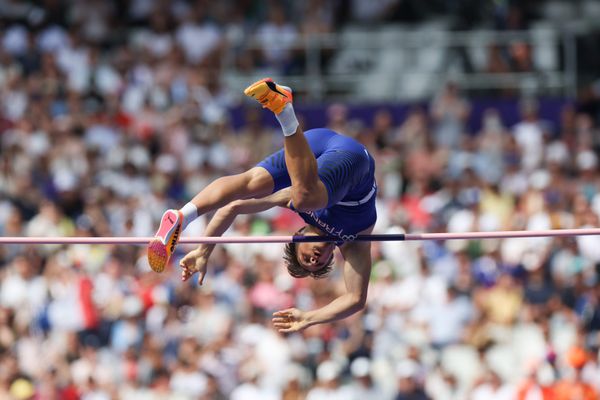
x,y
99,135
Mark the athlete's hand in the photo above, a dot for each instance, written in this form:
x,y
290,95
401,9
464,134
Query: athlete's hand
x,y
194,261
290,320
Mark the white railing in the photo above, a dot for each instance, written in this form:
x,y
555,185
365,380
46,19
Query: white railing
x,y
393,63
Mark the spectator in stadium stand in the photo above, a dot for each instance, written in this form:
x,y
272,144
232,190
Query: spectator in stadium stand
x,y
361,387
328,383
450,112
277,36
409,385
573,386
538,384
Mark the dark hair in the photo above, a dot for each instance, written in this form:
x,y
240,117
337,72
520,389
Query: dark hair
x,y
296,269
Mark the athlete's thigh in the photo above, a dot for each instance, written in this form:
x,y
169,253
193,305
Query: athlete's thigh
x,y
274,165
260,182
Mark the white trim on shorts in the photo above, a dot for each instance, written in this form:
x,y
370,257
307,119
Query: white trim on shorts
x,y
358,202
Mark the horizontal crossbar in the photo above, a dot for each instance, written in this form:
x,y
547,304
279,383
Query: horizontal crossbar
x,y
300,238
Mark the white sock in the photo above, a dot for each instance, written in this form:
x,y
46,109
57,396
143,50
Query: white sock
x,y
287,120
190,213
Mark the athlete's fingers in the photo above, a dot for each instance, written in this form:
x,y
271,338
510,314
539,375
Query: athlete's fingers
x,y
201,278
186,274
280,320
280,314
188,261
283,313
184,265
183,262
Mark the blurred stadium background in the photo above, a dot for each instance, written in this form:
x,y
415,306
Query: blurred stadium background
x,y
482,115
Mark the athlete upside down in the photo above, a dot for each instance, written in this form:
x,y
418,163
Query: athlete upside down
x,y
327,178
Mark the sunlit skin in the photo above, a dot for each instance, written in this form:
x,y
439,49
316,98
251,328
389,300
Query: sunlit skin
x,y
313,256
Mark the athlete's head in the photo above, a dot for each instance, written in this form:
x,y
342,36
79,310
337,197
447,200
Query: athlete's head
x,y
308,259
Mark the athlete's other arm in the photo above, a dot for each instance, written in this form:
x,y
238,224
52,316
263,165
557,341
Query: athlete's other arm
x,y
357,269
196,260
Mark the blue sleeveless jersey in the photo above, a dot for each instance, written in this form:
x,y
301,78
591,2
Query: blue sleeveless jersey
x,y
348,172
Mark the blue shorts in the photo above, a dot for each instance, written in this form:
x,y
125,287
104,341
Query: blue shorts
x,y
344,166
348,172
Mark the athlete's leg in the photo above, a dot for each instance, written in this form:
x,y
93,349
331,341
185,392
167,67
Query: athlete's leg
x,y
256,182
308,192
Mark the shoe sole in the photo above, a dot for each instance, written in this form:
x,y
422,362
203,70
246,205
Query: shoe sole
x,y
158,253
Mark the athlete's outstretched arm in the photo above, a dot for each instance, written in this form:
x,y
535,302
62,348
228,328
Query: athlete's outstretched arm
x,y
357,269
196,260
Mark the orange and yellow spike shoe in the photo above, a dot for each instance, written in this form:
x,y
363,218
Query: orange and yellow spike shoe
x,y
165,240
269,94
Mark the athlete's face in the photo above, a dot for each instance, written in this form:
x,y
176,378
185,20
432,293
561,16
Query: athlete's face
x,y
314,256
